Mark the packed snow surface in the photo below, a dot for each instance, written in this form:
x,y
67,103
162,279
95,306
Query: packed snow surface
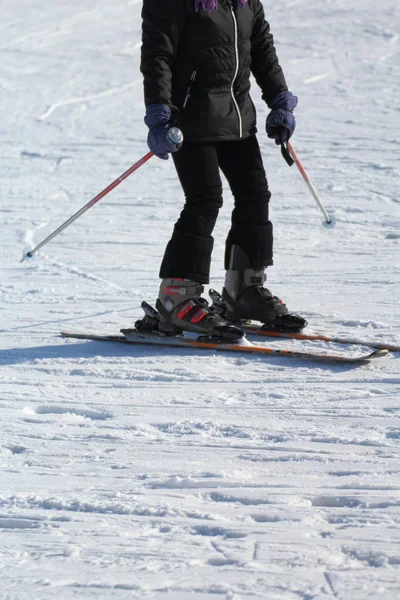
x,y
135,472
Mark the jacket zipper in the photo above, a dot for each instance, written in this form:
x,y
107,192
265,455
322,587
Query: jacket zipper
x,y
235,26
189,89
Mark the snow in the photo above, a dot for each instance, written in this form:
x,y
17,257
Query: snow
x,y
169,474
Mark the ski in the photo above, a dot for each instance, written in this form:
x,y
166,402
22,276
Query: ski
x,y
257,329
132,336
254,328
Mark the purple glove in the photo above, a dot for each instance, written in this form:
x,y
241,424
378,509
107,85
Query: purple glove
x,y
280,121
157,119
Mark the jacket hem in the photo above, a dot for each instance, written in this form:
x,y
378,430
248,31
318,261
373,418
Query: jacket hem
x,y
219,138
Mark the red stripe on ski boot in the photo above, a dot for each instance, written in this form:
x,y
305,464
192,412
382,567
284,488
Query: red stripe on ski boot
x,y
183,311
198,316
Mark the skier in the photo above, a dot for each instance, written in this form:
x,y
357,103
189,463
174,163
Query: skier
x,y
196,60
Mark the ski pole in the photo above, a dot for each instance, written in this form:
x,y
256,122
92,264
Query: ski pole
x,y
174,134
87,206
289,154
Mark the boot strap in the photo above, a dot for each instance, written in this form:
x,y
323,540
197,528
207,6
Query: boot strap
x,y
191,289
257,278
190,311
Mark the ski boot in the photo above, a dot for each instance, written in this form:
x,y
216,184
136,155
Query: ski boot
x,y
181,308
247,299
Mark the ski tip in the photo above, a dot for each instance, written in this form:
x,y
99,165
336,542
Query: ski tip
x,y
379,353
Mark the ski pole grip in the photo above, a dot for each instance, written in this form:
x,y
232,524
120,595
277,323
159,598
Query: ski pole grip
x,y
286,154
175,136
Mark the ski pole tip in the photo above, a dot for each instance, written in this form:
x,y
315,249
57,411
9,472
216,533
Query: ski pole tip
x,y
26,255
329,224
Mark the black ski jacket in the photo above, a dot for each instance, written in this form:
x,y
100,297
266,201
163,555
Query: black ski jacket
x,y
200,63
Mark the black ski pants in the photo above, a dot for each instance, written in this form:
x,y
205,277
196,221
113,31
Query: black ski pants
x,y
188,253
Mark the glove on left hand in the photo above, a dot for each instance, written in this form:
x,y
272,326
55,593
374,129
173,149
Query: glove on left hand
x,y
281,123
157,119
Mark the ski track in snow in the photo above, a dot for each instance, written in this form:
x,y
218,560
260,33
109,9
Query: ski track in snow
x,y
131,472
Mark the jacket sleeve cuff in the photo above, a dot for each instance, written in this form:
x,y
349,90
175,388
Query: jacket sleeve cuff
x,y
285,100
156,114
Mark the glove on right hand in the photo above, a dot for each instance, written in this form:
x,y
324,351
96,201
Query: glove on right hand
x,y
281,123
157,119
